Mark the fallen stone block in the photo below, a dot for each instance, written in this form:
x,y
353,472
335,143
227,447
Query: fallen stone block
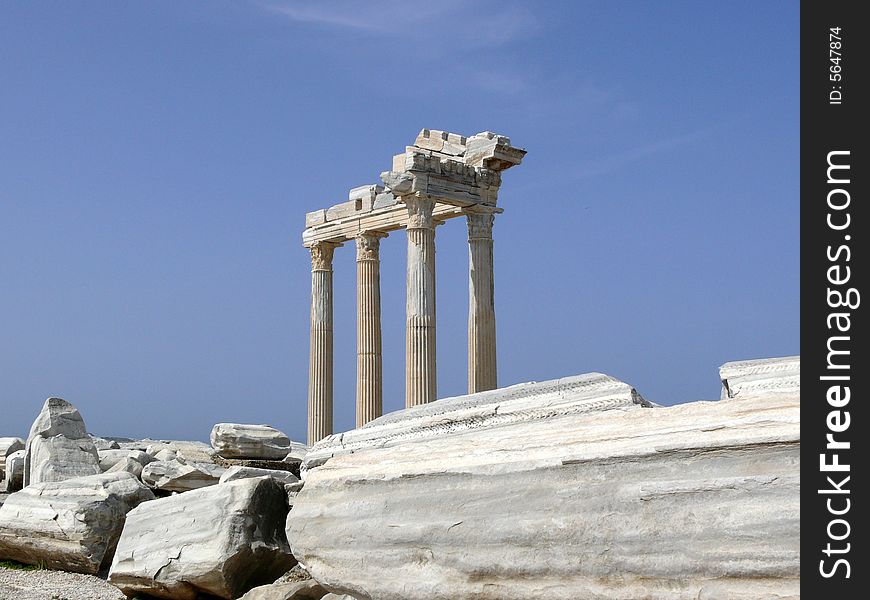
x,y
297,453
127,465
8,445
59,446
234,473
222,540
72,525
558,491
746,378
15,471
175,476
235,440
108,458
292,590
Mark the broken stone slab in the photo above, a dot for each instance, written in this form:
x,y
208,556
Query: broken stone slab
x,y
15,471
237,472
291,590
108,458
762,376
492,151
175,476
8,445
688,501
297,453
236,440
59,446
164,454
221,540
331,596
72,525
127,465
515,404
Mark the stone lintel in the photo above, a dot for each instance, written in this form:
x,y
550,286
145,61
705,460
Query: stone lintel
x,y
387,219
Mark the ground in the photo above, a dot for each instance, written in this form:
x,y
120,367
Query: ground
x,y
23,583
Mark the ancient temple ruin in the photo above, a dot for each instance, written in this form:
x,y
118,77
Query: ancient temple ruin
x,y
443,175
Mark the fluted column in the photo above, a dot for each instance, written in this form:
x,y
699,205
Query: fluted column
x,y
420,372
482,370
320,362
369,363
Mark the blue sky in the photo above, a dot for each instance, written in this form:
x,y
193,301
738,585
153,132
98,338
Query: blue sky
x,y
157,160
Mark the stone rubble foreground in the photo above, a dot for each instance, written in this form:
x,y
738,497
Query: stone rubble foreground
x,y
572,486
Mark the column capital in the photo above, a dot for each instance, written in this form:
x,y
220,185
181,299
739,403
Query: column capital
x,y
420,211
321,255
480,225
368,245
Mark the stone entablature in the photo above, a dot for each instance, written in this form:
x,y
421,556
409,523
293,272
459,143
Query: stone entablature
x,y
457,172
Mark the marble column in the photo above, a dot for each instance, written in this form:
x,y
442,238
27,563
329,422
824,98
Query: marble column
x,y
320,362
482,373
420,372
369,362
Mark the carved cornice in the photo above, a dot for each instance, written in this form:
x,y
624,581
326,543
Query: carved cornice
x,y
368,245
420,212
321,255
480,225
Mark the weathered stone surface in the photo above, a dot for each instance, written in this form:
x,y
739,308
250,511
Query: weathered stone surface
x,y
235,440
15,471
234,473
536,498
292,590
515,404
175,476
73,524
8,445
767,375
59,446
332,596
222,540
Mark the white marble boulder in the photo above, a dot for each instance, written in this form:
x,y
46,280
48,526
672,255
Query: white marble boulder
x,y
222,540
72,525
558,490
239,472
8,445
287,590
127,465
297,453
177,476
108,458
261,442
15,471
59,446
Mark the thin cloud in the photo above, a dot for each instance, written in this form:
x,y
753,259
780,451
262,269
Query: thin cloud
x,y
612,163
445,23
